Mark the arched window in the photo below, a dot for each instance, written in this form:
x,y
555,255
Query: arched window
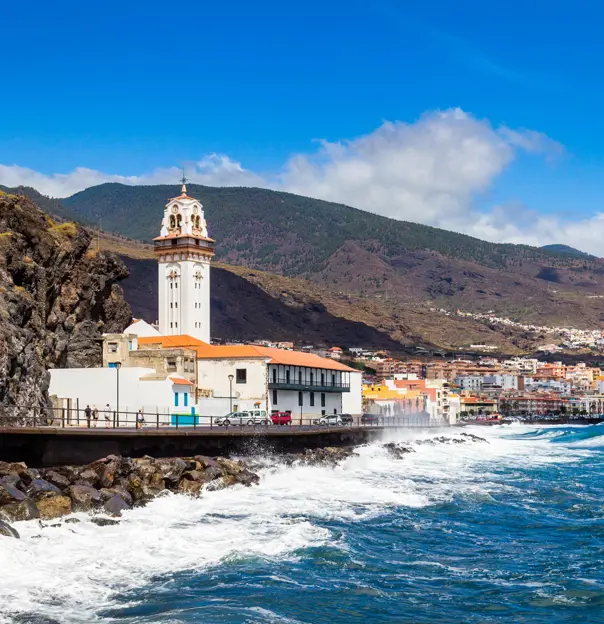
x,y
178,220
172,221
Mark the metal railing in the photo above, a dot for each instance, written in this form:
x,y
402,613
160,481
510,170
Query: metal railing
x,y
78,419
318,385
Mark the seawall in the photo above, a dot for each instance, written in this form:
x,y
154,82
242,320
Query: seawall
x,y
42,447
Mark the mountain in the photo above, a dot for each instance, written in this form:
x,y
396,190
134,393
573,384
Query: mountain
x,y
385,273
287,233
570,251
343,249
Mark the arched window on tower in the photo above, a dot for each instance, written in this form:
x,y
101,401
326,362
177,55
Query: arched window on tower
x,y
172,221
178,220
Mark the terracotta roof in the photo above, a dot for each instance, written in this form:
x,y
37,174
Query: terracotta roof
x,y
182,196
180,381
275,356
166,342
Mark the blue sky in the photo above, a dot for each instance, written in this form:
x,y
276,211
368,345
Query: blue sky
x,y
130,87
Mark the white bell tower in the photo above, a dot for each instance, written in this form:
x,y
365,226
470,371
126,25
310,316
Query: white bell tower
x,y
184,252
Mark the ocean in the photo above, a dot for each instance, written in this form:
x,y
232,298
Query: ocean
x,y
509,531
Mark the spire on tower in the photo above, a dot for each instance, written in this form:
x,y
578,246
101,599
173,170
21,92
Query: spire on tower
x,y
184,182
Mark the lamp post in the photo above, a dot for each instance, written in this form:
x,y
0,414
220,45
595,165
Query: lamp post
x,y
118,365
231,377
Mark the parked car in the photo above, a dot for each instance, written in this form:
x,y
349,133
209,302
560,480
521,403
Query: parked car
x,y
331,420
251,418
281,418
370,419
347,419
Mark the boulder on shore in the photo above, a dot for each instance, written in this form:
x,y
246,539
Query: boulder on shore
x,y
7,530
26,493
54,507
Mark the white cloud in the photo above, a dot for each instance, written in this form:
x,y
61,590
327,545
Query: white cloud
x,y
430,171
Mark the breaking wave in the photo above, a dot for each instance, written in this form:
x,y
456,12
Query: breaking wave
x,y
507,530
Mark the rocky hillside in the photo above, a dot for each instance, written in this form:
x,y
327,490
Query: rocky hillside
x,y
58,296
342,249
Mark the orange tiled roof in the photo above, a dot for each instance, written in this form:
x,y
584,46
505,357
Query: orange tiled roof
x,y
275,356
165,342
180,381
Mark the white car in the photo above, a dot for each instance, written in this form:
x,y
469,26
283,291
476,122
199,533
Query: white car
x,y
250,419
333,420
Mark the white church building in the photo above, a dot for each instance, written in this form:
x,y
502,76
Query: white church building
x,y
174,369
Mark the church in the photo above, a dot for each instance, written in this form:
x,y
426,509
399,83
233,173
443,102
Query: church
x,y
173,368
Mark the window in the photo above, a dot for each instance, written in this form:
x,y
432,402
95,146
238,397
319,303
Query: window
x,y
322,412
171,325
312,378
175,324
176,305
287,376
322,399
274,397
335,411
176,399
333,380
300,377
241,375
300,399
171,364
113,347
322,379
171,304
186,399
312,399
274,375
129,345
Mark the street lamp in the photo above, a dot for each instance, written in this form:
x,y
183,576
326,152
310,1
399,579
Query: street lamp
x,y
231,377
118,365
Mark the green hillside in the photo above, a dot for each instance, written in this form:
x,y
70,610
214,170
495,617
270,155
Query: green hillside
x,y
566,249
288,233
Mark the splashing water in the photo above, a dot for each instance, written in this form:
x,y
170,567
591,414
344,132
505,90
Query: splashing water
x,y
510,531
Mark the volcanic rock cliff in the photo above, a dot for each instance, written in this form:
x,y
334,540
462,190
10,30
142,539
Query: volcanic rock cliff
x,y
57,296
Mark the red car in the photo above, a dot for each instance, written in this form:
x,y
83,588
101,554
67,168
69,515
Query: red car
x,y
281,418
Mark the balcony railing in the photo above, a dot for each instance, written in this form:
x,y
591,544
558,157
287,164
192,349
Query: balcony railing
x,y
316,385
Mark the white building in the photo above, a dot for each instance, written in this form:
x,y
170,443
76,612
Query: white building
x,y
184,252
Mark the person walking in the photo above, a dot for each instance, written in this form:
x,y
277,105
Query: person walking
x,y
107,416
95,415
140,419
88,413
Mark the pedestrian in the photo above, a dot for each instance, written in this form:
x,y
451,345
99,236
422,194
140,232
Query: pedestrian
x,y
140,419
107,416
95,415
88,413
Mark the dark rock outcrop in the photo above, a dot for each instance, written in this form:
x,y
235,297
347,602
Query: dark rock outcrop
x,y
398,451
54,492
7,530
58,296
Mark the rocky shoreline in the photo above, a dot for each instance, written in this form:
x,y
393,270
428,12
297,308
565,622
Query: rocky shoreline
x,y
110,485
115,484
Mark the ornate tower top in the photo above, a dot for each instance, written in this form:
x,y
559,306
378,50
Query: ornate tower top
x,y
184,225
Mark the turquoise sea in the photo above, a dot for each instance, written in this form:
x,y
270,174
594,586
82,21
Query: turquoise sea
x,y
509,531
